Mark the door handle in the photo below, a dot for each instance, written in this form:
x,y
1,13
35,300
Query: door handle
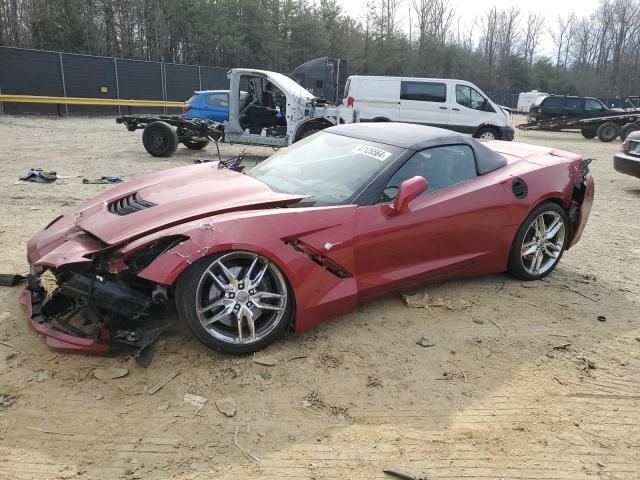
x,y
443,108
455,109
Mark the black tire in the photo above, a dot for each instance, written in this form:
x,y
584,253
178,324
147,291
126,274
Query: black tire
x,y
627,129
380,119
488,133
516,266
589,132
608,132
160,139
195,145
187,291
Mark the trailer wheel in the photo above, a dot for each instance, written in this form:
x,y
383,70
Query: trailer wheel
x,y
589,132
627,129
608,131
195,145
160,139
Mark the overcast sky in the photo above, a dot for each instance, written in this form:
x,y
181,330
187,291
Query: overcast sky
x,y
469,10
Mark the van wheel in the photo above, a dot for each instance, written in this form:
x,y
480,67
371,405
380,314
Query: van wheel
x,y
380,119
487,133
627,129
589,132
608,132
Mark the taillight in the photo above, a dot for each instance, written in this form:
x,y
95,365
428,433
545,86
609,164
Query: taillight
x,y
186,107
350,102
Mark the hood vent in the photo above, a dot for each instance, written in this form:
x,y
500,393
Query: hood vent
x,y
519,188
129,204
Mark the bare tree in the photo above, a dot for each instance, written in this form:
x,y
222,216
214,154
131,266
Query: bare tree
x,y
532,34
562,37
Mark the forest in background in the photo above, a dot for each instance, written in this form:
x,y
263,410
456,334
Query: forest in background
x,y
595,55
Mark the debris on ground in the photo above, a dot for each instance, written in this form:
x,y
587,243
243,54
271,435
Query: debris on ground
x,y
562,346
98,396
247,453
227,406
195,400
163,406
41,376
266,361
373,381
103,180
38,176
423,300
425,342
403,474
602,318
162,382
109,373
587,366
6,399
11,279
479,322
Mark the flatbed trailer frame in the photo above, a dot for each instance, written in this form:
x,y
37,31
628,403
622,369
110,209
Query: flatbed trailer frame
x,y
606,128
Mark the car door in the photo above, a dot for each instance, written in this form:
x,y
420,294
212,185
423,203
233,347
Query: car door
x,y
470,110
594,108
424,102
377,98
216,106
573,107
452,228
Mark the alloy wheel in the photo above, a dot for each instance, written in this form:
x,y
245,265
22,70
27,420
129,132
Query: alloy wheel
x,y
543,243
241,298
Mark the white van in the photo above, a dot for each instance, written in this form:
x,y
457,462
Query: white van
x,y
454,104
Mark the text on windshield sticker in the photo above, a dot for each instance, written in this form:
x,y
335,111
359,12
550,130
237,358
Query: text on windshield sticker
x,y
372,152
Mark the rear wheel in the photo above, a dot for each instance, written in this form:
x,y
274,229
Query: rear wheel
x,y
195,145
540,242
236,302
608,131
160,139
589,132
487,133
627,129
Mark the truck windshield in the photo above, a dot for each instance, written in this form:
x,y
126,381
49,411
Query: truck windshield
x,y
327,167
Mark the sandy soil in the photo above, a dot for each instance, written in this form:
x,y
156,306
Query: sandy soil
x,y
496,397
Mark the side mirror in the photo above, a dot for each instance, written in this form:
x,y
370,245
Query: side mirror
x,y
409,189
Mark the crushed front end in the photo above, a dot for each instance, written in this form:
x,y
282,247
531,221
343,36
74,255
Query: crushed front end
x,y
83,295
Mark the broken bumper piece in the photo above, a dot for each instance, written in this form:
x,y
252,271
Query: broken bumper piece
x,y
75,317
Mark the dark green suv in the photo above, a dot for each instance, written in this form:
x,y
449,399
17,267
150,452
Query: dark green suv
x,y
555,106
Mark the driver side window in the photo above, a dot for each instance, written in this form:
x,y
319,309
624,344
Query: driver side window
x,y
441,166
469,97
593,105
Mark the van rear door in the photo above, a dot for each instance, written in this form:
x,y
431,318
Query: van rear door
x,y
376,98
424,102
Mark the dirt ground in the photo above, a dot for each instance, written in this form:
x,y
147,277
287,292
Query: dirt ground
x,y
505,393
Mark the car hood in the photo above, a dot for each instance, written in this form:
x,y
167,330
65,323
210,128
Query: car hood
x,y
171,197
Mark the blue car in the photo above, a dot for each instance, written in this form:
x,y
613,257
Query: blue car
x,y
208,105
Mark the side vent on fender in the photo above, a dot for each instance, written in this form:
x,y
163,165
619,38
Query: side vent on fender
x,y
319,258
519,188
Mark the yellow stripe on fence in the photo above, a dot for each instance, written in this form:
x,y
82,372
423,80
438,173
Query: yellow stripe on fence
x,y
88,101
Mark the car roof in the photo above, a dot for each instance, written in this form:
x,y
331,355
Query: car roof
x,y
412,136
403,135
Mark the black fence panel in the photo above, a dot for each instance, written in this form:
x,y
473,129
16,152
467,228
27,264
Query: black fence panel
x,y
140,80
214,78
90,77
180,81
30,72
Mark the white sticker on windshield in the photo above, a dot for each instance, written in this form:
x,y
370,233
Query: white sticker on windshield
x,y
372,152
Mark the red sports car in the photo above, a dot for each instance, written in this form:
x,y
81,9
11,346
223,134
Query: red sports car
x,y
348,214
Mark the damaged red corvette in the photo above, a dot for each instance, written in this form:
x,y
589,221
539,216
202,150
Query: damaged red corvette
x,y
348,214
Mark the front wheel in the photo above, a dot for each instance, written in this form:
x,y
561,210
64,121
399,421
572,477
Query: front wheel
x,y
487,133
160,139
540,242
237,302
